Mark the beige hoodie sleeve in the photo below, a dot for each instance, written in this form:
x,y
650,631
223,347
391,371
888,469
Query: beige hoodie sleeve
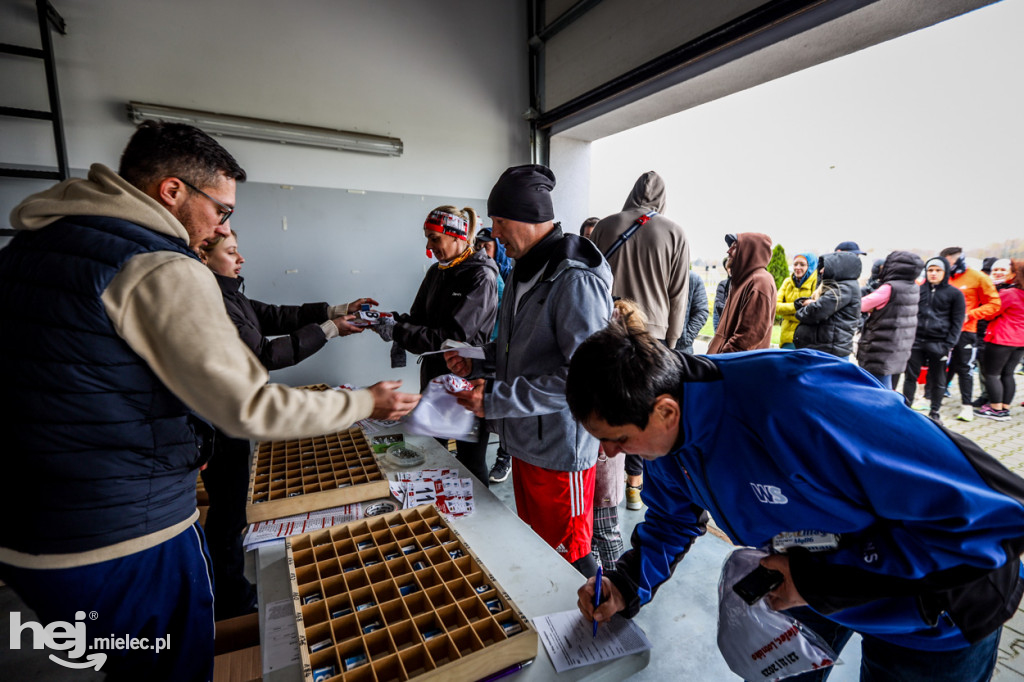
x,y
169,309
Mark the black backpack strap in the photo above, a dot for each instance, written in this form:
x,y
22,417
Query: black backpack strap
x,y
628,233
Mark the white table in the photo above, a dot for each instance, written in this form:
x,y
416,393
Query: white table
x,y
535,576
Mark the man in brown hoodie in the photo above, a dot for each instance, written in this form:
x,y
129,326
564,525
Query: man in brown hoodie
x,y
746,322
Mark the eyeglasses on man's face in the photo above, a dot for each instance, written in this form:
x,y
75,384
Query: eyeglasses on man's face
x,y
225,210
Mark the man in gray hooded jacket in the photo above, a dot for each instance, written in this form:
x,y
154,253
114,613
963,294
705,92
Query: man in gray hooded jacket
x,y
557,295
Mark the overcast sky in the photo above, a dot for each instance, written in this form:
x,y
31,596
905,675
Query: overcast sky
x,y
914,143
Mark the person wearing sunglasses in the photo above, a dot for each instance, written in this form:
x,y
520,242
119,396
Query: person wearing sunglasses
x,y
457,300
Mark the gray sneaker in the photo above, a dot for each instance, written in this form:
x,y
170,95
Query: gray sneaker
x,y
500,470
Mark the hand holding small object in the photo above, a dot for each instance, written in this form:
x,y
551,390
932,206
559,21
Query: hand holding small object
x,y
355,305
472,399
458,364
785,596
612,604
385,327
345,327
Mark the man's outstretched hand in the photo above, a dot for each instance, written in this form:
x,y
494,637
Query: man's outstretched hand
x,y
388,403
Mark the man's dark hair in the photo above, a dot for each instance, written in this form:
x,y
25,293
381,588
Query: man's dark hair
x,y
589,222
160,150
618,373
949,251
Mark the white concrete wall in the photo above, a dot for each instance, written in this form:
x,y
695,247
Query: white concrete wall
x,y
570,160
448,77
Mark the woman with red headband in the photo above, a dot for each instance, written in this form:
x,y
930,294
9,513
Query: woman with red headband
x,y
457,300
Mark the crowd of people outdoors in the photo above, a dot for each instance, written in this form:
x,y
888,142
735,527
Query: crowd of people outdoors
x,y
588,347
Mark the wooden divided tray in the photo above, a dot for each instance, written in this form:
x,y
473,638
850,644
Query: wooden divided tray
x,y
298,476
401,596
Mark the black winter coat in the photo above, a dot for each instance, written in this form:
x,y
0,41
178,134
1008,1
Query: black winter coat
x,y
829,323
696,313
721,293
458,303
889,332
940,315
255,321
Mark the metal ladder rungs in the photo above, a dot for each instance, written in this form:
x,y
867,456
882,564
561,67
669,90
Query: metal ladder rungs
x,y
26,113
20,50
30,173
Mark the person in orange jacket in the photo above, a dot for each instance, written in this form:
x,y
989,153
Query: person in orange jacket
x,y
982,301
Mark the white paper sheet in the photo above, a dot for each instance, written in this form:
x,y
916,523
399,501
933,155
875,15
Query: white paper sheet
x,y
568,638
263,532
464,349
281,641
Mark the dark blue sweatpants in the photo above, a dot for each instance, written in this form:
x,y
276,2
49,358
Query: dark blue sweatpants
x,y
163,591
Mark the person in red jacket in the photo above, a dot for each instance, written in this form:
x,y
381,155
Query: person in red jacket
x,y
1004,340
982,304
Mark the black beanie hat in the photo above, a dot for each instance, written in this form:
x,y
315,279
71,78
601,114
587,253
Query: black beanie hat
x,y
523,193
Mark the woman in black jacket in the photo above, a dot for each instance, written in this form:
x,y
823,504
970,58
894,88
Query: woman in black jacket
x,y
457,300
830,318
301,330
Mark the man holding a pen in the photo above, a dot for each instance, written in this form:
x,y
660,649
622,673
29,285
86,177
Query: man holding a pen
x,y
918,530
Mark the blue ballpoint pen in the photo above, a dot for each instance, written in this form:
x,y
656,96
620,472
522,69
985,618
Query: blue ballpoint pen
x,y
597,595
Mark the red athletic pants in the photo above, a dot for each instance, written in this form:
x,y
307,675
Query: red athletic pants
x,y
558,505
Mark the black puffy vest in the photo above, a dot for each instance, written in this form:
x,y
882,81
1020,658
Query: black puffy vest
x,y
888,334
96,449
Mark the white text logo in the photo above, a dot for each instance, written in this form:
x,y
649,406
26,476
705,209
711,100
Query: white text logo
x,y
70,637
769,494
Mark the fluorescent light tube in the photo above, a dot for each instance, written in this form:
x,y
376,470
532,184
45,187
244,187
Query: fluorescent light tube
x,y
270,131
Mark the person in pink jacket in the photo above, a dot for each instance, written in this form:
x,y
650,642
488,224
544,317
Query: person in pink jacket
x,y
1004,340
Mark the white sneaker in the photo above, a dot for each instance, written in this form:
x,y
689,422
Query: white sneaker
x,y
966,414
922,405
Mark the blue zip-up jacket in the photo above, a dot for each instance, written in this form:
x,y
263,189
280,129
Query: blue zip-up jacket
x,y
931,526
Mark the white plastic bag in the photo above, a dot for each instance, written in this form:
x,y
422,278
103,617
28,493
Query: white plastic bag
x,y
440,415
757,642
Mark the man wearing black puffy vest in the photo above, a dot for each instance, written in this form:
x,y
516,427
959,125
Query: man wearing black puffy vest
x,y
115,356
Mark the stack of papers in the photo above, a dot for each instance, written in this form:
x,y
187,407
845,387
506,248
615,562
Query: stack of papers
x,y
453,496
277,530
570,642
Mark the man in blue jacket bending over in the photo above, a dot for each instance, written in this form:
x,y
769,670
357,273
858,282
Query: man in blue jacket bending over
x,y
925,527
